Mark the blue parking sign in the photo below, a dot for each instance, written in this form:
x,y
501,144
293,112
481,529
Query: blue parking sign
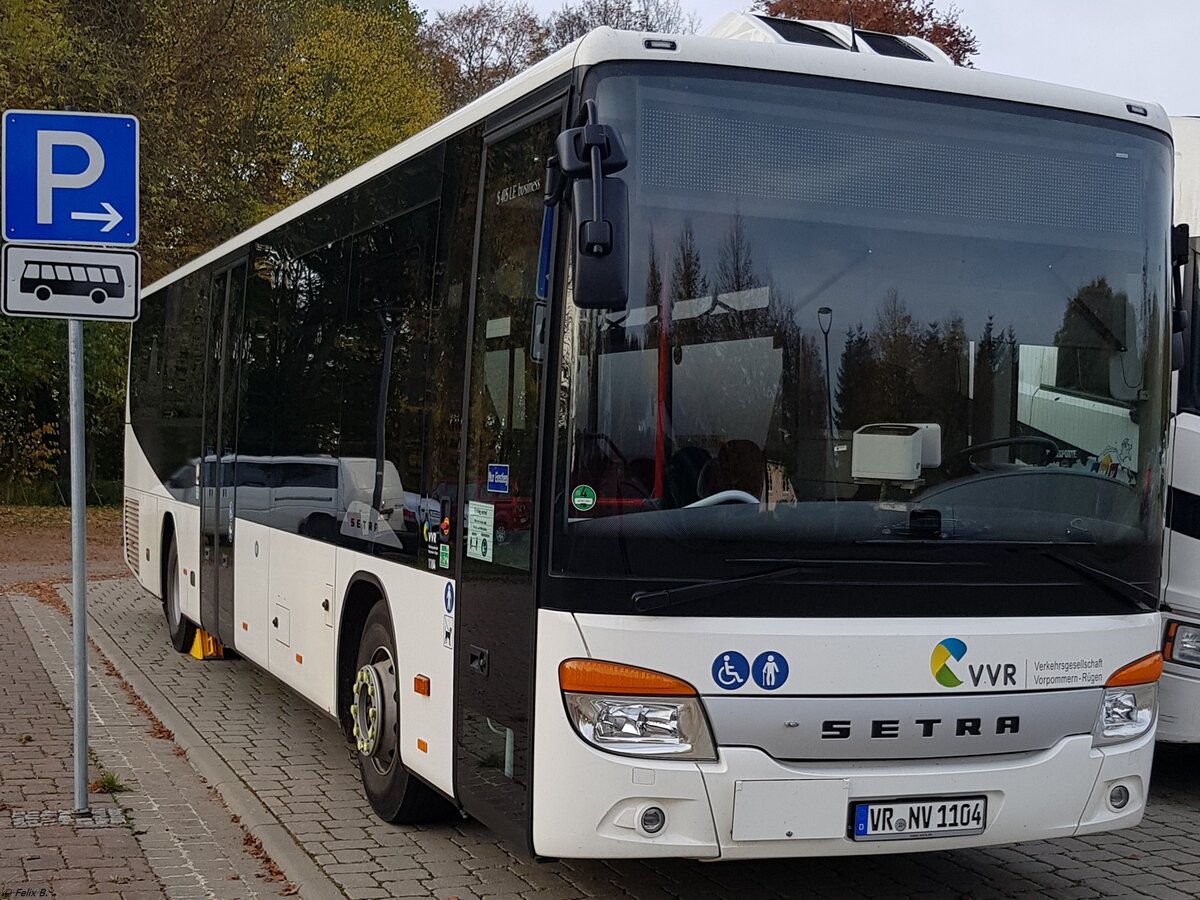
x,y
70,178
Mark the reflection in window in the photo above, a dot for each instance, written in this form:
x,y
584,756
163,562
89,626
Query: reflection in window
x,y
808,261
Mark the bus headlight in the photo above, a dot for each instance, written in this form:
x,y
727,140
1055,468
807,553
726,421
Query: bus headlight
x,y
1182,644
1130,695
1125,713
635,712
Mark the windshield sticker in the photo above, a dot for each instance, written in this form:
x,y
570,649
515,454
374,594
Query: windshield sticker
x,y
497,478
770,670
444,556
730,670
481,518
497,328
583,498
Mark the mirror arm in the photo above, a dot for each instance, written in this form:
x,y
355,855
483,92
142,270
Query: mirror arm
x,y
1180,241
556,183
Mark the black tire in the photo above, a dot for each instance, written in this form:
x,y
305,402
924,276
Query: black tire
x,y
181,631
98,296
42,292
393,792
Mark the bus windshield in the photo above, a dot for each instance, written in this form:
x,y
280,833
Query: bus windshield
x,y
866,317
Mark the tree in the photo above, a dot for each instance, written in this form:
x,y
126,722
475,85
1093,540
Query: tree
x,y
918,18
569,22
245,105
476,47
688,281
353,85
857,381
46,61
735,262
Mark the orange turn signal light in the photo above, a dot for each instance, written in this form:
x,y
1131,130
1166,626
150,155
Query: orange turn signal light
x,y
1169,641
421,685
592,676
1146,670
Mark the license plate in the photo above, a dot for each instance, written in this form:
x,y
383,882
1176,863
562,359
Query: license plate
x,y
896,820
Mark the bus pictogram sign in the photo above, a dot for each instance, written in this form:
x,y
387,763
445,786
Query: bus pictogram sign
x,y
74,283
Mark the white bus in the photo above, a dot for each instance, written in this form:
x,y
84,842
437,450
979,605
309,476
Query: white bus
x,y
1180,717
786,411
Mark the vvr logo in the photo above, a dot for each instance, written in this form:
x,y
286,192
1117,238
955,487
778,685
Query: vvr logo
x,y
981,675
939,662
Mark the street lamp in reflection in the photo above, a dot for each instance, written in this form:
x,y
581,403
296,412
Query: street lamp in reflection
x,y
825,321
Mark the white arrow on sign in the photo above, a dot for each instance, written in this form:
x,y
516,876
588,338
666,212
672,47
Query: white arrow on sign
x,y
110,215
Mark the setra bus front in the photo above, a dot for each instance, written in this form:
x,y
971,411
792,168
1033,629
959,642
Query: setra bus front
x,y
858,471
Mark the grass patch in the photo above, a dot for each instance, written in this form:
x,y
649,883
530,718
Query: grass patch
x,y
107,783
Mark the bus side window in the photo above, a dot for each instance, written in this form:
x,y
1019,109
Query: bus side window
x,y
386,350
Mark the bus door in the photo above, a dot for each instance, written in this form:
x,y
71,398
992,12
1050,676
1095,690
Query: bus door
x,y
218,468
496,606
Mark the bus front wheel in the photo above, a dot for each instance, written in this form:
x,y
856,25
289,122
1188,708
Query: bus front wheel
x,y
394,793
181,631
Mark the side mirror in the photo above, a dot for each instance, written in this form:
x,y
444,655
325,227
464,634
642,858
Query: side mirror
x,y
586,157
1180,241
601,278
1180,252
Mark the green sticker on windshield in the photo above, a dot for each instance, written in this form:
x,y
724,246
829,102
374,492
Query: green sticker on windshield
x,y
583,498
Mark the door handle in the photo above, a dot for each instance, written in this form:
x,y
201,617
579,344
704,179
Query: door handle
x,y
325,604
477,659
275,622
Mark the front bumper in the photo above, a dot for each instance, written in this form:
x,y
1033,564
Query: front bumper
x,y
587,804
1033,796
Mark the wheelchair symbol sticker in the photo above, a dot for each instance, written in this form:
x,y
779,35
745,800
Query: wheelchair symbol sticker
x,y
730,670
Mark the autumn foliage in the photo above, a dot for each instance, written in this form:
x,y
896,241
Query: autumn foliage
x,y
918,18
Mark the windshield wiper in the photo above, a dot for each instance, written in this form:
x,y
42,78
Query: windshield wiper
x,y
650,601
1137,597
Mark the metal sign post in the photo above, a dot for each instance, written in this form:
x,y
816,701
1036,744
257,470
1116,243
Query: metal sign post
x,y
71,179
78,560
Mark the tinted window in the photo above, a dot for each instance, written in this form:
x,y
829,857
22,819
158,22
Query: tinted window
x,y
447,350
384,354
293,475
166,377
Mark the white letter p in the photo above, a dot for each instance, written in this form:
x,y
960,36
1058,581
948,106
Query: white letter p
x,y
48,179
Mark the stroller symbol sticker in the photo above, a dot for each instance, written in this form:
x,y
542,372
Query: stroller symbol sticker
x,y
730,670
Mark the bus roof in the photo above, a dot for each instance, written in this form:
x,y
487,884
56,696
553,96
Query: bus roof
x,y
606,44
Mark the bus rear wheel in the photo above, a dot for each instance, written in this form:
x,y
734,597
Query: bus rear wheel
x,y
181,631
42,292
394,793
98,296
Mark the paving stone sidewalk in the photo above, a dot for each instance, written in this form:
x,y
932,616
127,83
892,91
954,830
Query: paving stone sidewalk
x,y
298,764
164,836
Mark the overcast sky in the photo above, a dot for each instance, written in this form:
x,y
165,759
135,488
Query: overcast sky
x,y
1147,50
